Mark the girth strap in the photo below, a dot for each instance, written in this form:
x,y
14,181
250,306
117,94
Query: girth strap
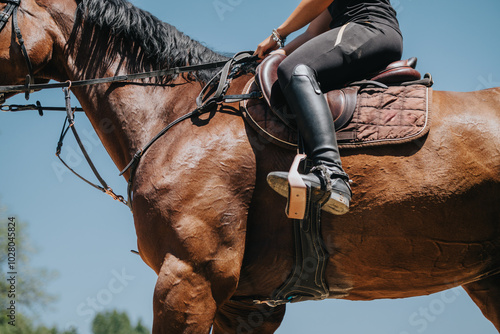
x,y
307,279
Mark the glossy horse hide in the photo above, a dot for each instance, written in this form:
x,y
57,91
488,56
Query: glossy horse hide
x,y
424,218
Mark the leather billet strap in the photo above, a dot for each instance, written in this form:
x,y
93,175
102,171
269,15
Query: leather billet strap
x,y
222,77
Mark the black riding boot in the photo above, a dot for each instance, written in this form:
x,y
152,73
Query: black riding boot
x,y
315,125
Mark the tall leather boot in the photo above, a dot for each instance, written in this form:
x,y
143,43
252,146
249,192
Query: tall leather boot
x,y
315,125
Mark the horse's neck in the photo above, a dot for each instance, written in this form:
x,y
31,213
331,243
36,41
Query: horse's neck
x,y
125,116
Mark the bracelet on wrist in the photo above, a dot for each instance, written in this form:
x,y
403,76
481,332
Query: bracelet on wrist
x,y
278,39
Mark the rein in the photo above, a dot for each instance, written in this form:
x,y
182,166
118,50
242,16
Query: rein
x,y
205,102
118,78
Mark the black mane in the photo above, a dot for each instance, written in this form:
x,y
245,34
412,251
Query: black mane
x,y
111,30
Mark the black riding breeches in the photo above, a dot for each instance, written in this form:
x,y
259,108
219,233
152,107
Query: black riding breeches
x,y
345,54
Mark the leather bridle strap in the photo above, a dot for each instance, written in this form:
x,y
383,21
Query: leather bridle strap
x,y
7,12
11,10
69,123
206,104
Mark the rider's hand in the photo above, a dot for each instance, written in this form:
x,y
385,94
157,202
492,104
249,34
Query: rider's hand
x,y
264,48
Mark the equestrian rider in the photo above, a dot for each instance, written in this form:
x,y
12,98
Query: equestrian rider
x,y
345,40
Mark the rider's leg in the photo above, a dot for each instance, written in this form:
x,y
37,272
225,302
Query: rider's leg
x,y
333,58
315,124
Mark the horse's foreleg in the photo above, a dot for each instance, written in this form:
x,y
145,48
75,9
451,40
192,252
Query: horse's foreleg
x,y
486,294
200,270
237,317
183,302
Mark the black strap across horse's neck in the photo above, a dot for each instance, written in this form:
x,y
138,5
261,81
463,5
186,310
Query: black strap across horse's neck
x,y
115,79
206,102
11,10
8,10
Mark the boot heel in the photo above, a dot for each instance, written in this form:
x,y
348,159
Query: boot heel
x,y
338,204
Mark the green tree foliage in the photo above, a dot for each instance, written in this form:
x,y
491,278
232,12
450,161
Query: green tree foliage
x,y
28,292
25,325
30,281
114,322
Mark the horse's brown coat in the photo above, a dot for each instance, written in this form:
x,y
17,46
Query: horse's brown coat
x,y
425,215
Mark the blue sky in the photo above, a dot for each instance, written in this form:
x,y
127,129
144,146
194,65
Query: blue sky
x,y
87,237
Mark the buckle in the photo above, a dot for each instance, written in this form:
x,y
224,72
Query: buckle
x,y
4,16
14,2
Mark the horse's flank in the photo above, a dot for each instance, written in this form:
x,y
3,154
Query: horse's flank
x,y
415,205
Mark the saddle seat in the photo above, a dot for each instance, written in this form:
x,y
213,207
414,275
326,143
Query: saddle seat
x,y
342,102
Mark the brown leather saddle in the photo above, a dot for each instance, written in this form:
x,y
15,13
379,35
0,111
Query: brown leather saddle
x,y
271,117
342,101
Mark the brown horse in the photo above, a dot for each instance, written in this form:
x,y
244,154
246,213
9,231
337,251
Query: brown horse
x,y
425,216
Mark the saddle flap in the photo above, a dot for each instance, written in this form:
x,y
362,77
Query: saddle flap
x,y
342,103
